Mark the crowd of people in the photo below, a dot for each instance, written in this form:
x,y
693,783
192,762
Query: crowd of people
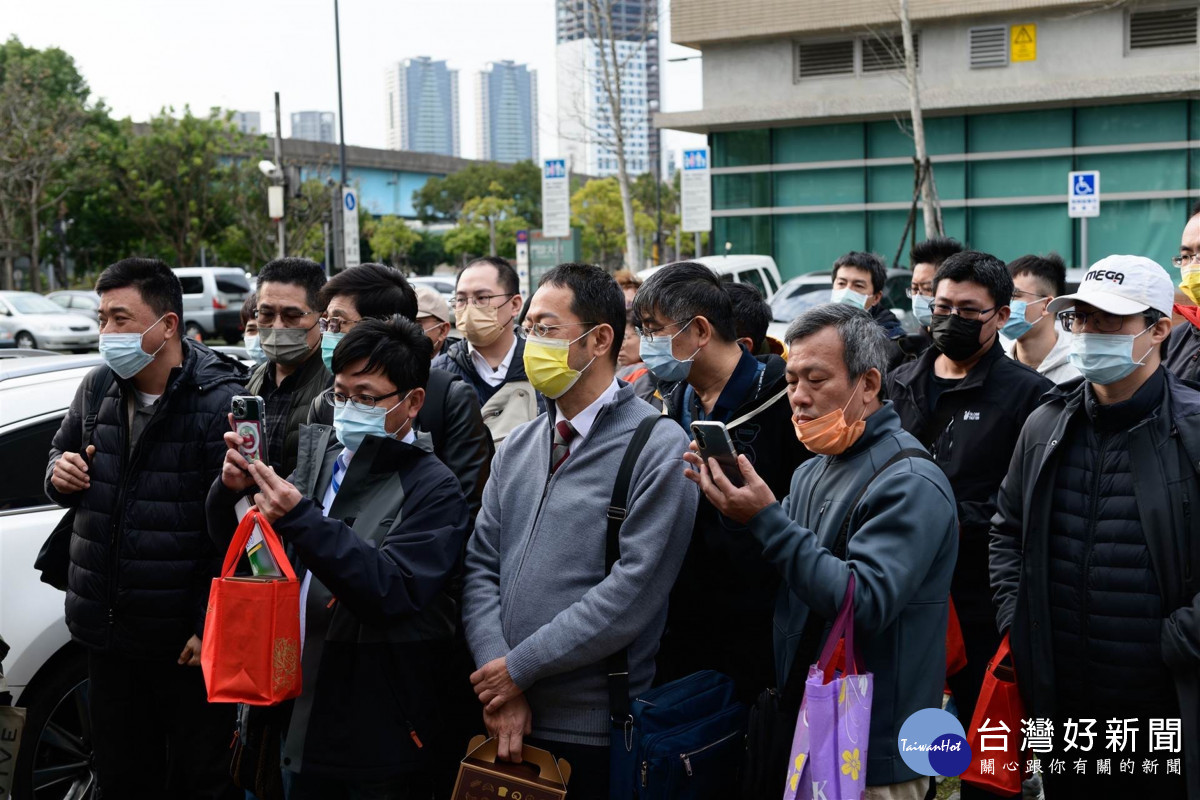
x,y
1025,464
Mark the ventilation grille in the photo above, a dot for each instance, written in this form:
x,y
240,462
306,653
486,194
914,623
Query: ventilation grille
x,y
1173,26
883,53
989,47
824,58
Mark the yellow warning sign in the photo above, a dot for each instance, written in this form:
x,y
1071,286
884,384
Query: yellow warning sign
x,y
1024,43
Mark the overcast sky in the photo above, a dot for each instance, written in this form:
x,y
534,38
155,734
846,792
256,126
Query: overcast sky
x,y
142,55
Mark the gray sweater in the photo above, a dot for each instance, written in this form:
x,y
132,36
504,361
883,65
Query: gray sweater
x,y
535,587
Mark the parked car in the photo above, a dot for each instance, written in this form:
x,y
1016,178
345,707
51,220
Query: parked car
x,y
80,301
40,323
212,301
811,289
46,671
442,284
758,271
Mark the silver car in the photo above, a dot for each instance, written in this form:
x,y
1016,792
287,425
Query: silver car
x,y
37,322
78,301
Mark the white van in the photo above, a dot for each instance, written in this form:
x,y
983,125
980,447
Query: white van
x,y
212,301
758,271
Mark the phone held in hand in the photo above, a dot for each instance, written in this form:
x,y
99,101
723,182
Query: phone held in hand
x,y
249,422
262,563
712,438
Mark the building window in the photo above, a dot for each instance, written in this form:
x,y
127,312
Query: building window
x,y
1163,28
865,55
988,46
818,59
882,53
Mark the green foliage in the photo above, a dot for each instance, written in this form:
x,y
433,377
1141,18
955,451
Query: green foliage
x,y
391,239
446,198
464,241
428,253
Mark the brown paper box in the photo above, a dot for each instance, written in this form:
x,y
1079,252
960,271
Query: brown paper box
x,y
482,777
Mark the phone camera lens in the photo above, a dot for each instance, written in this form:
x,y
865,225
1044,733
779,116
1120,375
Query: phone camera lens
x,y
700,440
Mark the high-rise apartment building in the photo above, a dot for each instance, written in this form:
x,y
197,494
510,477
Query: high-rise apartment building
x,y
247,122
506,113
422,106
315,126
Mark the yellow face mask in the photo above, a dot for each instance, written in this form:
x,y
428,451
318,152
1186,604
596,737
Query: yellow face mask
x,y
1190,283
547,367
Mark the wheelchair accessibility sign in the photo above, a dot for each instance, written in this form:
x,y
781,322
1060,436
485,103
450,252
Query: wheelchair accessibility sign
x,y
1083,194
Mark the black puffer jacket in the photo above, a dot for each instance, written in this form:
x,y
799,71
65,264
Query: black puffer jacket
x,y
1105,607
141,559
1183,351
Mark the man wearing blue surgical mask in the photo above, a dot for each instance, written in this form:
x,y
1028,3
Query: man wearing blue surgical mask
x,y
1030,335
377,524
858,281
140,560
1093,546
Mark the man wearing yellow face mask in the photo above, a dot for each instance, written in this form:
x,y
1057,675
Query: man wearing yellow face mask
x,y
871,504
1183,346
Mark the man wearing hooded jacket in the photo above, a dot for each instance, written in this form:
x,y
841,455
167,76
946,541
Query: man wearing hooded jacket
x,y
1093,546
721,607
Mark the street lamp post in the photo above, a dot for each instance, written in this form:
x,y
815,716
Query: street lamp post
x,y
658,242
339,252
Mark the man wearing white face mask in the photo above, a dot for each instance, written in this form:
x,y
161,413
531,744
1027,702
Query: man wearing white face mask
x,y
1030,335
140,560
1093,546
377,524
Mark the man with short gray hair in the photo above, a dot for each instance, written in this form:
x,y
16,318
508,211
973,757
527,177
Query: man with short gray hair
x,y
898,536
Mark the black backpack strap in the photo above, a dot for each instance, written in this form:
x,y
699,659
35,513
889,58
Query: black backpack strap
x,y
617,664
99,388
814,626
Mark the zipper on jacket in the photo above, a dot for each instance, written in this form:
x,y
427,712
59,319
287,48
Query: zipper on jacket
x,y
686,758
1089,540
645,769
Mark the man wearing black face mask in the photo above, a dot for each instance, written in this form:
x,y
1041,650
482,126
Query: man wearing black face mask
x,y
966,402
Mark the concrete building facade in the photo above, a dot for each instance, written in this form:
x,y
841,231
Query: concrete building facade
x,y
248,122
806,109
506,107
422,106
315,126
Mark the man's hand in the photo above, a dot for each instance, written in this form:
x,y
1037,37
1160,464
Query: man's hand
x,y
510,724
190,657
276,496
70,472
235,471
739,503
493,685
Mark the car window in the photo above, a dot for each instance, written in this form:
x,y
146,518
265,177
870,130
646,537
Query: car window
x,y
26,452
233,284
752,277
63,300
34,304
192,285
772,287
83,301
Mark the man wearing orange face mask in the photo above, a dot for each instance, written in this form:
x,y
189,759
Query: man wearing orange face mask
x,y
898,536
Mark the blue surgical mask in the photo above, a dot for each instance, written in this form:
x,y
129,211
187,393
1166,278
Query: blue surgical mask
x,y
922,309
123,351
1017,326
849,297
657,355
328,344
1104,358
254,349
353,424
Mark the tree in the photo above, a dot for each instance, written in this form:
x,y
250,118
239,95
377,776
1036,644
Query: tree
x,y
929,205
464,241
613,129
428,253
391,239
444,198
597,210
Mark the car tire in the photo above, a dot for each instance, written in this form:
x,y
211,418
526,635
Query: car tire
x,y
25,340
192,330
55,759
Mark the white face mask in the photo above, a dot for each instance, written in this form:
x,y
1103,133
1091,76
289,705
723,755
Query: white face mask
x,y
849,297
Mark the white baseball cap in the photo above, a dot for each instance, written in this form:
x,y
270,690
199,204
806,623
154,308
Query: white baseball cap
x,y
1122,285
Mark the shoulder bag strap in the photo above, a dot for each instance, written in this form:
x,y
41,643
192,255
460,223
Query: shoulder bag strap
x,y
617,664
91,411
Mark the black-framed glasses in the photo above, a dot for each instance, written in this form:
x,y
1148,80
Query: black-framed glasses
x,y
292,317
1182,261
363,402
543,331
1098,321
479,300
968,313
648,335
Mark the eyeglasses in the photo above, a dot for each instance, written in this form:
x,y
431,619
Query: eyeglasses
x,y
917,289
479,300
363,402
291,316
337,324
945,310
648,335
1180,261
543,331
1099,321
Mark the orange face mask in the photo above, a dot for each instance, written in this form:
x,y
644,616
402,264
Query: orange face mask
x,y
830,435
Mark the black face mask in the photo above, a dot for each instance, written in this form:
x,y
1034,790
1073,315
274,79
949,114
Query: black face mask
x,y
957,338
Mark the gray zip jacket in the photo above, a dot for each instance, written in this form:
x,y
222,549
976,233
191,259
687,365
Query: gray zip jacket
x,y
536,589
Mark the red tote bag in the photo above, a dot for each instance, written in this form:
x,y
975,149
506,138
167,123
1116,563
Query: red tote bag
x,y
999,705
251,648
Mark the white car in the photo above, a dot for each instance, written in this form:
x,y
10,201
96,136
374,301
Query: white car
x,y
758,271
39,323
46,671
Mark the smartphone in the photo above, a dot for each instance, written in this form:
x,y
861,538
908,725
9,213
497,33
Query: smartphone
x,y
712,438
249,422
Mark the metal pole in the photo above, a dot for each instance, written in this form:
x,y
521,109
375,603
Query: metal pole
x,y
557,251
658,242
325,245
697,253
1083,243
337,35
281,231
